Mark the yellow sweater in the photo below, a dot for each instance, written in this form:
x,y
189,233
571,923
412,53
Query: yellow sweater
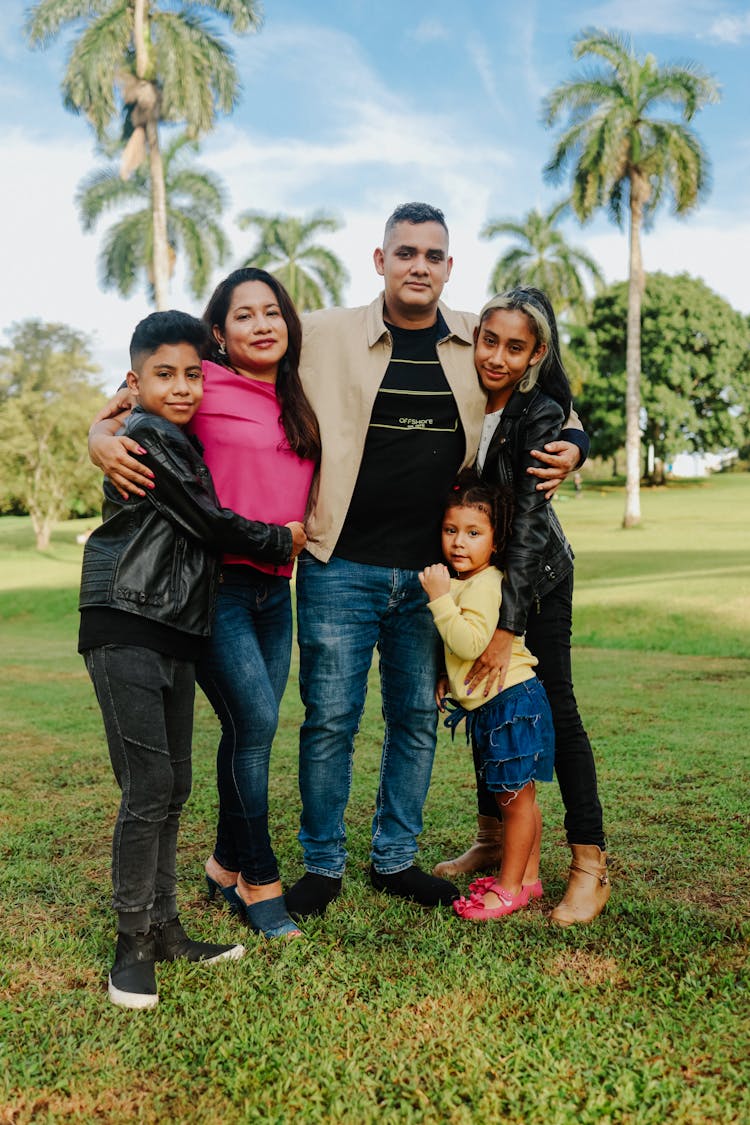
x,y
466,618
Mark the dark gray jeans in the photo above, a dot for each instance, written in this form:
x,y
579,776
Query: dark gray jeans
x,y
146,700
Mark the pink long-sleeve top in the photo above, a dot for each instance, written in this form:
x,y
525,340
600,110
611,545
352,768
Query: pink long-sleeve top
x,y
245,447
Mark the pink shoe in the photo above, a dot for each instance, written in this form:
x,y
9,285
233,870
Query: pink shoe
x,y
533,890
481,886
474,909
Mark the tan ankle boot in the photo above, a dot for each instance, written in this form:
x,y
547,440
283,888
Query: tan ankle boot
x,y
485,854
588,886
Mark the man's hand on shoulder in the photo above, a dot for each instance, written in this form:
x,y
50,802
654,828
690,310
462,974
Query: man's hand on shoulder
x,y
557,460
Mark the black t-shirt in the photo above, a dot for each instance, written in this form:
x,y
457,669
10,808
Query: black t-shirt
x,y
102,625
414,447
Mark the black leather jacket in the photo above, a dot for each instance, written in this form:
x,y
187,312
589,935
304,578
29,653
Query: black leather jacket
x,y
538,555
158,555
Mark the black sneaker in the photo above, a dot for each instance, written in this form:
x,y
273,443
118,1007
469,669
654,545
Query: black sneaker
x,y
132,980
416,885
172,943
310,895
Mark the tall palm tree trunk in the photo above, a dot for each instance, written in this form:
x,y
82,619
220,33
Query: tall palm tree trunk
x,y
160,263
632,515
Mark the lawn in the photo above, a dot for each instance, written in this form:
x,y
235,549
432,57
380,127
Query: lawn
x,y
384,1012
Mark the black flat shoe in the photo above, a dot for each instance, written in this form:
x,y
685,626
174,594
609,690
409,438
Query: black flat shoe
x,y
415,885
311,895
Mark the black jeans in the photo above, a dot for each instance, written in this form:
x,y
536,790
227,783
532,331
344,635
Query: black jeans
x,y
548,634
146,700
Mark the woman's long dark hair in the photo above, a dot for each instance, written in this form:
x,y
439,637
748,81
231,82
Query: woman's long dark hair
x,y
552,378
297,417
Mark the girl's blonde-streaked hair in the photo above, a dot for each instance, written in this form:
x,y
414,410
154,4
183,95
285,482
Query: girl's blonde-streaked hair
x,y
527,300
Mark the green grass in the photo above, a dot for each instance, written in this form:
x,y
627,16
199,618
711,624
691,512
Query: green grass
x,y
384,1012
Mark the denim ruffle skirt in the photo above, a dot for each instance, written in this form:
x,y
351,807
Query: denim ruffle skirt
x,y
514,735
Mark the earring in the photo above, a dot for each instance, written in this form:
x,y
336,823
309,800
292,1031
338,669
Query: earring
x,y
222,349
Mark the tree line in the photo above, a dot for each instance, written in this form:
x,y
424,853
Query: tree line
x,y
138,67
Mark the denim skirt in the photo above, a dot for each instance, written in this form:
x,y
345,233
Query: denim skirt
x,y
514,737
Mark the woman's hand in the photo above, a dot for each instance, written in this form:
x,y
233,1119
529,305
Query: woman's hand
x,y
560,459
492,665
121,403
441,690
299,537
113,456
435,580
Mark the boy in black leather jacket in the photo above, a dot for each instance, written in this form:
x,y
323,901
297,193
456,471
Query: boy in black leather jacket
x,y
147,591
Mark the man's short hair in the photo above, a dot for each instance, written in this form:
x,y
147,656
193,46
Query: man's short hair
x,y
170,327
414,213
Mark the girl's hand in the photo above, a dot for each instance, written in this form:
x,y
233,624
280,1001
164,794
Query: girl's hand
x,y
299,538
435,580
492,665
560,459
441,690
112,455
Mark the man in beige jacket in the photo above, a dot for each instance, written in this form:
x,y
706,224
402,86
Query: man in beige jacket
x,y
400,411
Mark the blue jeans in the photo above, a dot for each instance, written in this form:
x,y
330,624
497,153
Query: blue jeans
x,y
344,611
146,700
244,673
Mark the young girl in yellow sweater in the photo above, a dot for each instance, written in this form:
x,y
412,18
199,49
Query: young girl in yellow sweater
x,y
512,729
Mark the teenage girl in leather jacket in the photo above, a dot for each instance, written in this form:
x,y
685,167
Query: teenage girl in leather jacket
x,y
517,356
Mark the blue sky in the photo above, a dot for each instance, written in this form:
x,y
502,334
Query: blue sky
x,y
354,107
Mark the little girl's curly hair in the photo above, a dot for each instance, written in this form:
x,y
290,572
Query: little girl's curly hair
x,y
470,491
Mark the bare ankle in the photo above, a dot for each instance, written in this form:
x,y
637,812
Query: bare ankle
x,y
257,892
220,874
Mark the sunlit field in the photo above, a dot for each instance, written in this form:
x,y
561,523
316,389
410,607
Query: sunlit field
x,y
384,1012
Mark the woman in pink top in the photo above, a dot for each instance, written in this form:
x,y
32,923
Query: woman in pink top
x,y
261,443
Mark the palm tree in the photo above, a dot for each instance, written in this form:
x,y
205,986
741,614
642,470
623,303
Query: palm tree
x,y
541,257
150,63
194,199
309,273
623,155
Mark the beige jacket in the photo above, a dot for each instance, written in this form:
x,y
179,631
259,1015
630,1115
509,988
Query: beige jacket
x,y
345,355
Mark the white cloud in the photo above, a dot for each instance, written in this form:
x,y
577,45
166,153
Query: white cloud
x,y
486,69
730,29
651,17
430,31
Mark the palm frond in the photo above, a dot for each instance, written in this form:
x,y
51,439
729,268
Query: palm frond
x,y
196,69
46,18
103,190
96,58
125,252
244,15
